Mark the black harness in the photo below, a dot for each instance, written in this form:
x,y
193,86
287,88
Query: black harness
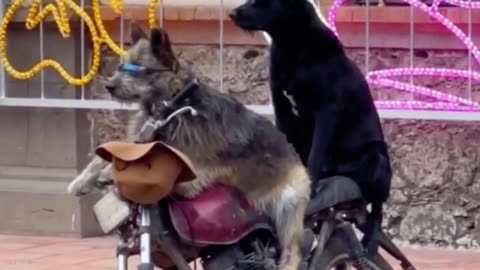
x,y
161,113
168,106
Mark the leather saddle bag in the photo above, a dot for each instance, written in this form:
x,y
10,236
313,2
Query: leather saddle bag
x,y
144,173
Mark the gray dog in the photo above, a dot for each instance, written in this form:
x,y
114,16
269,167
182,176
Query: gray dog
x,y
226,142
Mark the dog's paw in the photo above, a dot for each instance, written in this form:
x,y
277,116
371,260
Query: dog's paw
x,y
79,186
186,190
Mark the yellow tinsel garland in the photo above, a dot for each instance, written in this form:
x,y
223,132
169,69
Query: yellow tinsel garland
x,y
98,33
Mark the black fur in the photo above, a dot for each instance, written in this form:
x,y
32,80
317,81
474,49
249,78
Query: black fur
x,y
338,129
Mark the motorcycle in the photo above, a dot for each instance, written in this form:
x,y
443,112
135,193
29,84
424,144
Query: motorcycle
x,y
222,230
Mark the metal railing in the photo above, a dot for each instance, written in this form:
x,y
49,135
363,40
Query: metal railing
x,y
460,108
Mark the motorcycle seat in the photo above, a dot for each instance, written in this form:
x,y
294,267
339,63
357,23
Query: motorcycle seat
x,y
332,191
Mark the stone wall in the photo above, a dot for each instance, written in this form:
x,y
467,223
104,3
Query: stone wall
x,y
435,195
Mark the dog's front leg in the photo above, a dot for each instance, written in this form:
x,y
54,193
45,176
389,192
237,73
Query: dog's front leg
x,y
105,174
192,188
205,178
84,183
105,177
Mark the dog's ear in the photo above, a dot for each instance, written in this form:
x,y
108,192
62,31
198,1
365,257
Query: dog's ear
x,y
136,33
161,46
160,40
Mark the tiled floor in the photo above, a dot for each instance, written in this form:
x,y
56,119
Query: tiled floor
x,y
47,253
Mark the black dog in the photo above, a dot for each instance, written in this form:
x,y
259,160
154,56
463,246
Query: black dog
x,y
322,101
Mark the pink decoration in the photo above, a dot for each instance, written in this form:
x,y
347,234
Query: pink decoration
x,y
447,102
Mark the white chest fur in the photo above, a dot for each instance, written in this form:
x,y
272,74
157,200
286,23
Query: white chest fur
x,y
292,103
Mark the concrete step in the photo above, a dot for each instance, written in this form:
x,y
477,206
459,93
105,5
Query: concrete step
x,y
33,201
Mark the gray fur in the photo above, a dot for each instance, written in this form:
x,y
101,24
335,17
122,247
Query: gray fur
x,y
225,134
226,142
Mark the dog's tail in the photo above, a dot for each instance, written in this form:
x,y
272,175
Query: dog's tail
x,y
286,206
289,214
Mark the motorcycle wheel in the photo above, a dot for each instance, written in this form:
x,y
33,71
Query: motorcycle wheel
x,y
335,257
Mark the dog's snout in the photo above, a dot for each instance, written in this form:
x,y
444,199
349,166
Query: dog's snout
x,y
233,14
108,84
110,88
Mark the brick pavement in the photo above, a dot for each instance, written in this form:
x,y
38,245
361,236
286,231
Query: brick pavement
x,y
51,253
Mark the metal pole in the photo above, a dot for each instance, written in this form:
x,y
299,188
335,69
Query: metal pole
x,y
42,57
160,14
82,49
411,44
2,70
221,45
122,35
367,36
470,73
122,256
145,240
